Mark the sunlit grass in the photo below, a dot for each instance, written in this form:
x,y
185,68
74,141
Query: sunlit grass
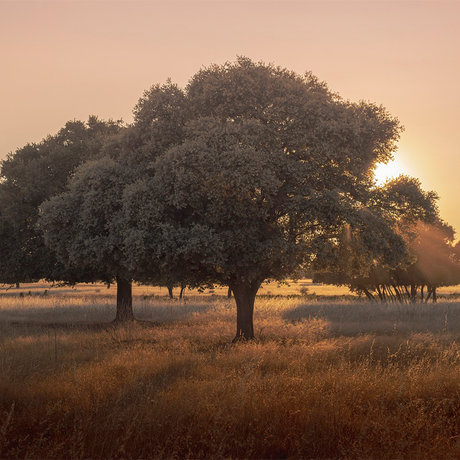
x,y
290,288
323,379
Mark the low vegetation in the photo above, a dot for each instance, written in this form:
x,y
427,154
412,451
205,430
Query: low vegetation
x,y
322,379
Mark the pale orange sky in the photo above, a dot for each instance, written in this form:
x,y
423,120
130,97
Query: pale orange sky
x,y
67,59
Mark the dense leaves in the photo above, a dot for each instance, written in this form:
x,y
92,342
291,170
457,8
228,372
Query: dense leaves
x,y
249,173
31,175
428,257
270,166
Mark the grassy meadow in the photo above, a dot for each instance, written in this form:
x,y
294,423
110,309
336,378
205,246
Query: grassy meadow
x,y
325,377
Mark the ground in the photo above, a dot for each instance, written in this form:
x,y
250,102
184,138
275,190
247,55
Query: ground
x,y
289,288
325,377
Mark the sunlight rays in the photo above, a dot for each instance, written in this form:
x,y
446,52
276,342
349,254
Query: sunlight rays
x,y
384,172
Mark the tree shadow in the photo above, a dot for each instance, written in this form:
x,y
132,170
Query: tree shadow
x,y
82,326
362,317
77,318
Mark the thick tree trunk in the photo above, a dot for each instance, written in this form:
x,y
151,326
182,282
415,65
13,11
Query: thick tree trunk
x,y
17,286
170,292
245,294
124,301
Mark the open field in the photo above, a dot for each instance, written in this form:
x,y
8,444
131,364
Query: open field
x,y
323,379
300,287
289,288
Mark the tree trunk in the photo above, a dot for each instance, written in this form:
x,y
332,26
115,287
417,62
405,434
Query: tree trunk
x,y
388,295
17,286
368,294
124,301
182,288
435,297
406,289
170,292
397,293
428,293
413,293
229,293
380,293
245,294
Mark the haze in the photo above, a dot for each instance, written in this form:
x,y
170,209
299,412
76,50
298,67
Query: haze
x,y
65,60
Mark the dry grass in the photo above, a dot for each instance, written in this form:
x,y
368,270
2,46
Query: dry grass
x,y
322,380
290,288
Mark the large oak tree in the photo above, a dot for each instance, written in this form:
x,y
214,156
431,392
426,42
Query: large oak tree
x,y
270,165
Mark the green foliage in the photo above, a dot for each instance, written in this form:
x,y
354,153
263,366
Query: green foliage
x,y
270,164
431,261
82,225
251,172
31,175
426,259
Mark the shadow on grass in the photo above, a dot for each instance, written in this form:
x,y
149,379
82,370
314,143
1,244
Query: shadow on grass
x,y
362,317
34,320
82,326
104,428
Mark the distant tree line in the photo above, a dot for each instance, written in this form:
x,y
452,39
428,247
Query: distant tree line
x,y
433,261
251,172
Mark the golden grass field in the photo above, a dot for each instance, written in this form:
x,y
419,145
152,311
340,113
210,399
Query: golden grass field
x,y
289,288
324,378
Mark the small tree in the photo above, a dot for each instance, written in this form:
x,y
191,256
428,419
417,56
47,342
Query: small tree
x,y
429,258
83,227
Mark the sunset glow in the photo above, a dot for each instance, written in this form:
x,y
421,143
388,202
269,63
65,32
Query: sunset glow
x,y
65,60
384,172
229,229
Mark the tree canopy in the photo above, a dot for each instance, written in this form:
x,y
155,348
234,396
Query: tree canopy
x,y
248,173
430,259
29,176
83,227
270,164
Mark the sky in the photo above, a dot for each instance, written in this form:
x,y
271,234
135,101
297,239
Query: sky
x,y
68,59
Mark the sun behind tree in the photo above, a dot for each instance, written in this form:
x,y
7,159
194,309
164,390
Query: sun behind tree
x,y
271,164
387,171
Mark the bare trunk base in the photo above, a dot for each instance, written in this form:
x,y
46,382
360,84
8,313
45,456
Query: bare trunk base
x,y
124,301
245,294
